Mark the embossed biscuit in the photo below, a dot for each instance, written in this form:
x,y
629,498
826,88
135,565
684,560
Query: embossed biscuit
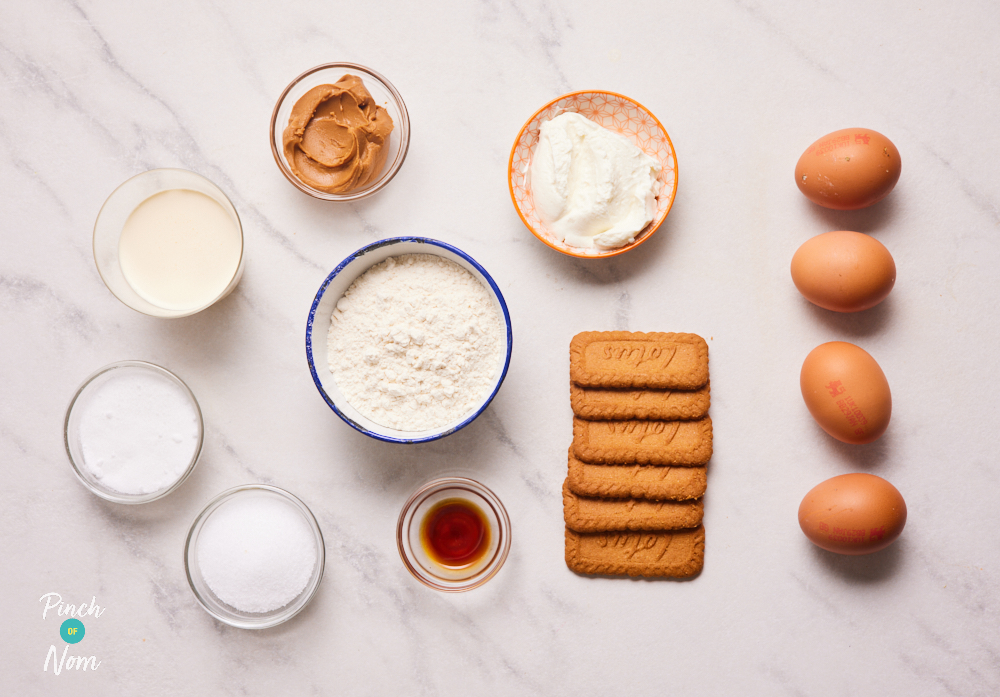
x,y
654,482
634,360
584,514
643,442
677,553
600,404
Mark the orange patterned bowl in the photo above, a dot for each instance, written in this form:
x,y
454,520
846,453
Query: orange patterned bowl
x,y
616,113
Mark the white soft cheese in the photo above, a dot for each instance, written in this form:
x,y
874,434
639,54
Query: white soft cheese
x,y
591,187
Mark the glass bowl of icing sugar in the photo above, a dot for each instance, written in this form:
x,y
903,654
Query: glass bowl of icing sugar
x,y
133,432
408,340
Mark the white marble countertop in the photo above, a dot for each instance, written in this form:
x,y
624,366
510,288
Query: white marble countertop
x,y
92,93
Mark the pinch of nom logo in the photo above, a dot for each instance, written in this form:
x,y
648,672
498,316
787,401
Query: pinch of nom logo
x,y
71,631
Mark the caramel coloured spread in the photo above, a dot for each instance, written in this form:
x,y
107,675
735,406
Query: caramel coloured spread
x,y
337,137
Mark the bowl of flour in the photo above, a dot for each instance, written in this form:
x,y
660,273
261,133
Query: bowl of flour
x,y
408,339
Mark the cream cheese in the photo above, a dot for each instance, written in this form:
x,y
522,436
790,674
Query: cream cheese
x,y
591,187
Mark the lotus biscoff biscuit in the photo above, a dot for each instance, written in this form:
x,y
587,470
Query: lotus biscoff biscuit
x,y
605,404
586,514
654,482
637,360
677,553
643,442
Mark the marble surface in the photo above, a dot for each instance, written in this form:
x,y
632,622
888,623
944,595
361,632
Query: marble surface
x,y
92,93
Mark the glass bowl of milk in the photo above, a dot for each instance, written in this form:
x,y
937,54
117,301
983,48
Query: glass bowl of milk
x,y
133,432
169,243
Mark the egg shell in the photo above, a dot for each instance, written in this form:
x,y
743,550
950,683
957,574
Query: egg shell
x,y
853,514
843,271
848,169
846,392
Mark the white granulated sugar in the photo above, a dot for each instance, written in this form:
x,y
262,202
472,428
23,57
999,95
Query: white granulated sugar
x,y
416,342
256,553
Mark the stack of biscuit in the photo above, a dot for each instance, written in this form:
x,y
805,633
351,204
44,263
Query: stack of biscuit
x,y
637,466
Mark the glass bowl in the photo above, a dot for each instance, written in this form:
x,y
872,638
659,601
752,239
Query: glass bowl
x,y
117,209
411,548
226,613
318,328
617,113
72,440
385,95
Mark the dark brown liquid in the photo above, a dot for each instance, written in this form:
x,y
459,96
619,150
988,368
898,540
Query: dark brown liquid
x,y
455,533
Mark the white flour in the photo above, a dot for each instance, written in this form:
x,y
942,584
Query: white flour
x,y
416,342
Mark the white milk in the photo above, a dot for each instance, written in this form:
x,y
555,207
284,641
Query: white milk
x,y
179,249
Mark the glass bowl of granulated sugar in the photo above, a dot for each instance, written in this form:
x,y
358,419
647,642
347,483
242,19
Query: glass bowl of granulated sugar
x,y
255,556
408,340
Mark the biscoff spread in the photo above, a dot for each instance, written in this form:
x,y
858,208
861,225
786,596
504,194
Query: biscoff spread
x,y
337,137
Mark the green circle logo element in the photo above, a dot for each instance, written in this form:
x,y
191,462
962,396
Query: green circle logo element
x,y
72,631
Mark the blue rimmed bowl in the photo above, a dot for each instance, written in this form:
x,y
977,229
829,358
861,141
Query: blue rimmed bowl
x,y
318,329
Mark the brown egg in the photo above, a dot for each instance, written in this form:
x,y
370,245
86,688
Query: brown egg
x,y
846,392
843,271
853,514
848,169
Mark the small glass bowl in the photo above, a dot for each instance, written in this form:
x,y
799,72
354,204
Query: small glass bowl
x,y
117,209
385,96
318,329
71,432
411,548
226,613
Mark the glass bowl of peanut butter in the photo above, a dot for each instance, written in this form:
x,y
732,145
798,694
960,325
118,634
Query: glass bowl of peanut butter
x,y
340,132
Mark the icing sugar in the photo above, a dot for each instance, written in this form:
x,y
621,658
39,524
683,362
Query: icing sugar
x,y
138,431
